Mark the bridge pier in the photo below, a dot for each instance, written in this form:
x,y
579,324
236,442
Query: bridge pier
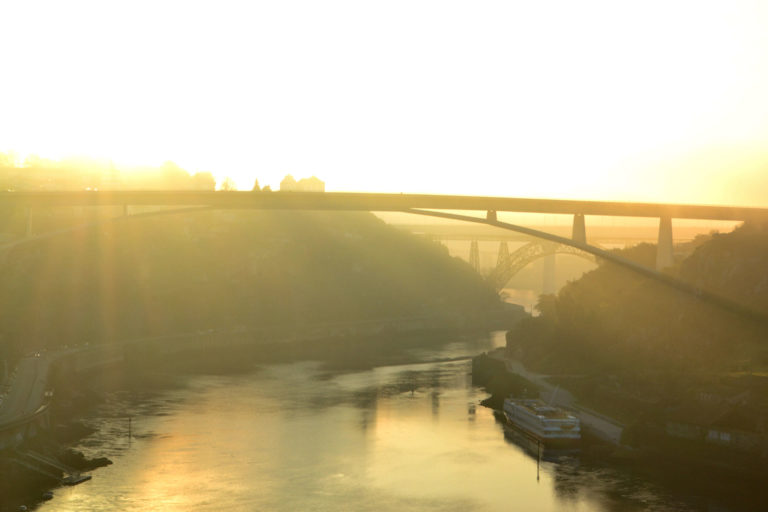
x,y
579,231
474,255
664,249
548,274
503,257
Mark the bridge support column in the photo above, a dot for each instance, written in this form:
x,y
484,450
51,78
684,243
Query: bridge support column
x,y
474,255
548,274
503,257
664,250
579,232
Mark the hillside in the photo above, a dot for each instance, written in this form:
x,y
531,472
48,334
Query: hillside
x,y
221,269
613,322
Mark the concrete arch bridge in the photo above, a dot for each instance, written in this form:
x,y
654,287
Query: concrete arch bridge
x,y
438,206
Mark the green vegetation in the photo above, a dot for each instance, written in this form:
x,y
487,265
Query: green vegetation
x,y
36,173
115,279
613,322
687,378
39,174
492,374
207,270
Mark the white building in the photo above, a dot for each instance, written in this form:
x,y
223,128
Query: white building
x,y
312,184
288,184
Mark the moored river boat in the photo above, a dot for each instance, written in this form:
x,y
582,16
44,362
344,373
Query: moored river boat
x,y
545,423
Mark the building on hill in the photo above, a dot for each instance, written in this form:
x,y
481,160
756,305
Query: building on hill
x,y
288,184
740,428
313,184
732,414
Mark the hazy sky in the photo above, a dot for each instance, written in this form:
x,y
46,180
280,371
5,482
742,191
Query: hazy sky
x,y
608,100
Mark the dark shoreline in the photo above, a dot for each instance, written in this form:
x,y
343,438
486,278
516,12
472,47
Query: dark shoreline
x,y
670,467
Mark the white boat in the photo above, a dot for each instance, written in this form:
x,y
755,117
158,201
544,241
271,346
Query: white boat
x,y
546,423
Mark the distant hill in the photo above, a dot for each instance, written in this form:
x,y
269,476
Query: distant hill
x,y
221,269
613,322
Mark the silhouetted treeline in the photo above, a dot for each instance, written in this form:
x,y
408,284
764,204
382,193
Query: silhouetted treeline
x,y
685,377
614,322
41,174
36,173
207,270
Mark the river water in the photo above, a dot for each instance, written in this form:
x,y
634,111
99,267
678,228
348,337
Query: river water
x,y
292,437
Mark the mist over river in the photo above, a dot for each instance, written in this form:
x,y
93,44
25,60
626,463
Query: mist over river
x,y
293,437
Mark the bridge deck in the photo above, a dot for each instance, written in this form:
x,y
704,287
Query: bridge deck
x,y
377,202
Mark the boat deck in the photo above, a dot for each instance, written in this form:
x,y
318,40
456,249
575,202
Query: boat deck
x,y
537,408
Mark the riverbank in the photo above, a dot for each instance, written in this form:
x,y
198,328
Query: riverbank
x,y
410,437
21,485
503,376
145,372
609,442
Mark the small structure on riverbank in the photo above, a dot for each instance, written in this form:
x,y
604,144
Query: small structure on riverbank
x,y
49,467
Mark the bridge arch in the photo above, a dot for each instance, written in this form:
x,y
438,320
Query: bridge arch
x,y
491,220
660,277
512,263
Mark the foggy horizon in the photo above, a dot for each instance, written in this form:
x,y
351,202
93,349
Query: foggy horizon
x,y
658,103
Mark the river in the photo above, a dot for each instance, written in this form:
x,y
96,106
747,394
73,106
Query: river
x,y
293,437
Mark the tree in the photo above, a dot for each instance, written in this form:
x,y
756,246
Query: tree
x,y
173,177
228,184
203,181
7,160
256,186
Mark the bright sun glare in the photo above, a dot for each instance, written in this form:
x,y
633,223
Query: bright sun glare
x,y
659,101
